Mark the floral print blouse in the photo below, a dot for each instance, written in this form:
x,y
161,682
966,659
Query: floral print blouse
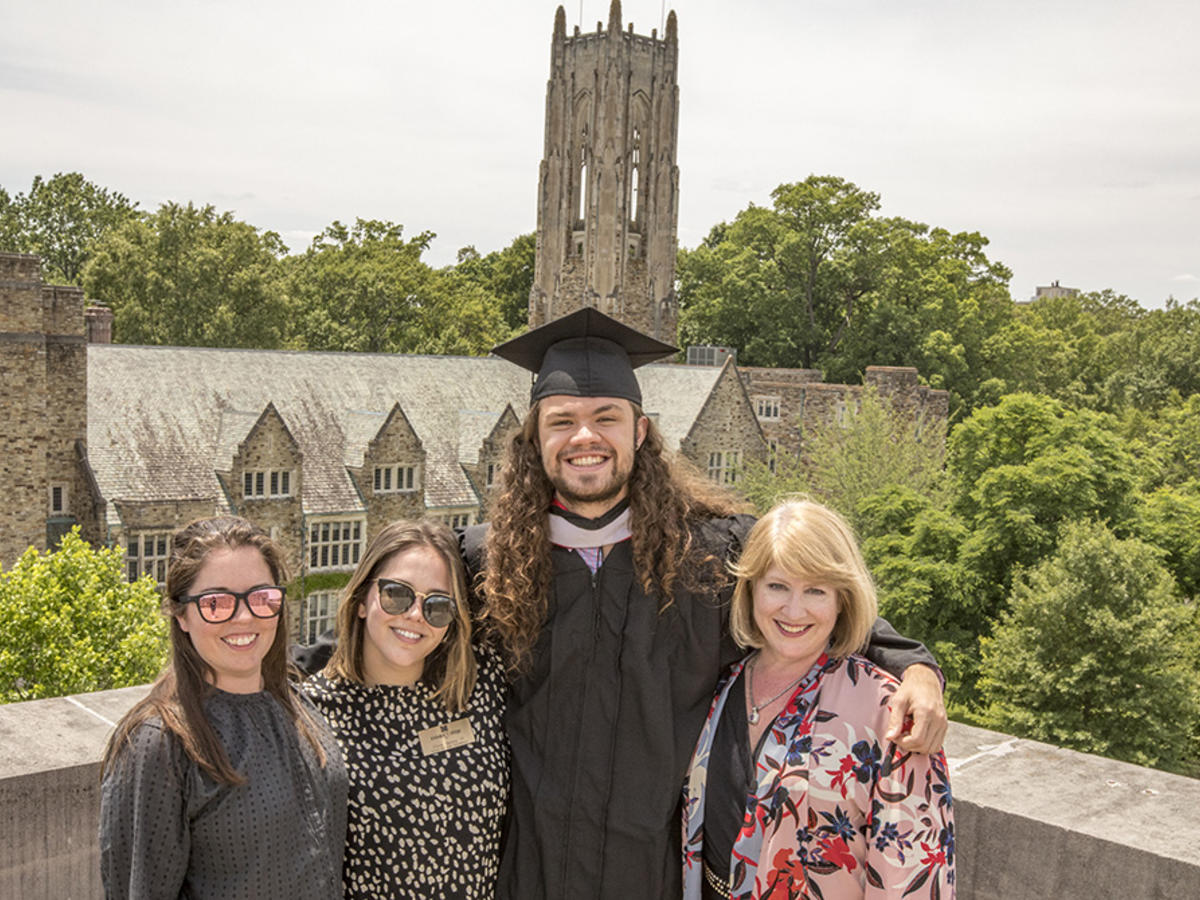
x,y
832,816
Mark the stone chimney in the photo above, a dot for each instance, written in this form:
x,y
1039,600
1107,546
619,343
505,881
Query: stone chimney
x,y
99,324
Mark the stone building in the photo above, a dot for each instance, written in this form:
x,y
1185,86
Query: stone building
x,y
321,449
789,402
608,186
324,449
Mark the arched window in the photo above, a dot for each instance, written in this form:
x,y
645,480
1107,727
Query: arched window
x,y
635,173
581,198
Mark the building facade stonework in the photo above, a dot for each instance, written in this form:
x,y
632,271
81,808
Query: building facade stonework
x,y
45,480
320,449
608,185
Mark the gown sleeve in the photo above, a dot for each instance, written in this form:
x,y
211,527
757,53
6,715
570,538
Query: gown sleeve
x,y
892,651
145,838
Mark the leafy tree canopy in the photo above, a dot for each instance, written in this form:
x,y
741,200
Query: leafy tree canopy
x,y
72,624
1021,469
1093,653
506,274
61,219
365,288
819,280
782,284
190,276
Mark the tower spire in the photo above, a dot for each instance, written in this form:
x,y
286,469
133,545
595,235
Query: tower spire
x,y
608,183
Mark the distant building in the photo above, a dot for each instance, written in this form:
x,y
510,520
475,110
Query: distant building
x,y
1054,290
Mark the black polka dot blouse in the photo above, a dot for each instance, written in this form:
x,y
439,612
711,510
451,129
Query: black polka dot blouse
x,y
421,824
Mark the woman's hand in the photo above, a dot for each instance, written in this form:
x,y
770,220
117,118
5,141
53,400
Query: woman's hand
x,y
918,715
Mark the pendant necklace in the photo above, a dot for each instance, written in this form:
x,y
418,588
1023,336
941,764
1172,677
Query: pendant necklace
x,y
752,718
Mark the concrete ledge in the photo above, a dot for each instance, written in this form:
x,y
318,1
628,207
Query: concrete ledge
x,y
1033,821
50,754
1037,821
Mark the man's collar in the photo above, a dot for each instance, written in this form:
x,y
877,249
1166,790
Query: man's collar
x,y
557,509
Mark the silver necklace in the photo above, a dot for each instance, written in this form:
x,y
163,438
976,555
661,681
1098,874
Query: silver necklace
x,y
752,717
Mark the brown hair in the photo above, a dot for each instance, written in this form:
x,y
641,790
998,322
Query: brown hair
x,y
177,696
665,499
810,541
450,667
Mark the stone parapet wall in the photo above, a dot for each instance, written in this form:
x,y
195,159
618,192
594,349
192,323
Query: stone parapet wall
x,y
1032,820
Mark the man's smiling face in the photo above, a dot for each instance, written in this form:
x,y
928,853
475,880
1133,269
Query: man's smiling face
x,y
587,446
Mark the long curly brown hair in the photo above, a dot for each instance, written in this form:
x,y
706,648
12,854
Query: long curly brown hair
x,y
665,497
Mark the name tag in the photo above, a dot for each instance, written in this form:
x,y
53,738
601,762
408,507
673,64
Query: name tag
x,y
446,737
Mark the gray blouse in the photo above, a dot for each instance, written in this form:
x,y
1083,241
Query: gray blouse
x,y
168,830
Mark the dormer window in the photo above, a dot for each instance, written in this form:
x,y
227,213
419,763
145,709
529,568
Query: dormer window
x,y
395,479
263,483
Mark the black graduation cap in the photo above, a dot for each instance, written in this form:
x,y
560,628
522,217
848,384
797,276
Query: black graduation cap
x,y
584,354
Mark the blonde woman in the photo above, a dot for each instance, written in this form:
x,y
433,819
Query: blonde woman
x,y
418,712
793,791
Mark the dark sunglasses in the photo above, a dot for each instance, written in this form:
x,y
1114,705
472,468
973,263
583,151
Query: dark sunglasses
x,y
264,602
397,598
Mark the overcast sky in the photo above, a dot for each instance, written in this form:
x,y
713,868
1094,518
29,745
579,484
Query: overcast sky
x,y
1066,131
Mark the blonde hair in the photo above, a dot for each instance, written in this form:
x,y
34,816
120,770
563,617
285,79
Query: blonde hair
x,y
812,542
450,666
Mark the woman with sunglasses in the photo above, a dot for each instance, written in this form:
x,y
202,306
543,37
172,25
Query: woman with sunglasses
x,y
223,782
417,709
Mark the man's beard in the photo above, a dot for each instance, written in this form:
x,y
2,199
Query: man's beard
x,y
609,490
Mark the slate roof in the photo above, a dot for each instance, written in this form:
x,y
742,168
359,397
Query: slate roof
x,y
162,421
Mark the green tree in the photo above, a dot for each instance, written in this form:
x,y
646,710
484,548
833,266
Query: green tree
x,y
873,447
190,276
72,624
913,549
1172,444
1169,518
506,274
937,300
1022,469
365,288
1093,653
1071,348
62,220
783,284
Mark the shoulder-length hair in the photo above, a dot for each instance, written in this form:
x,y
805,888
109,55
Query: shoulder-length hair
x,y
450,666
666,498
812,542
177,696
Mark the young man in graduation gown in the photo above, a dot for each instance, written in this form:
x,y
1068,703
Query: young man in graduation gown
x,y
604,583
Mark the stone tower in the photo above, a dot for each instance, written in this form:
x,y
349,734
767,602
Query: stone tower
x,y
45,480
608,187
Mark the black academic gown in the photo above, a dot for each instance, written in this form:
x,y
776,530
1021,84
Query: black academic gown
x,y
604,723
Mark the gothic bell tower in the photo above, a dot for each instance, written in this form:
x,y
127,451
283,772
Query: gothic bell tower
x,y
608,186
